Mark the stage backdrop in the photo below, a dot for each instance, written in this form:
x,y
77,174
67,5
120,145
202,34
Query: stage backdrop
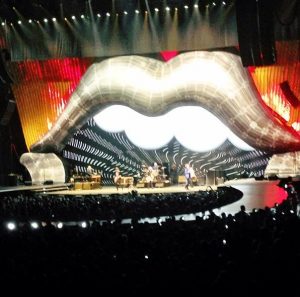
x,y
104,151
42,88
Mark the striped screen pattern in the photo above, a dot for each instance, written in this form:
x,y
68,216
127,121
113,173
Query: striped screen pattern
x,y
90,145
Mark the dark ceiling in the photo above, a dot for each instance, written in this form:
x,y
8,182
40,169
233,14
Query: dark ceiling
x,y
12,10
60,8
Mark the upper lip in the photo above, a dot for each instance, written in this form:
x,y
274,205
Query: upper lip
x,y
152,87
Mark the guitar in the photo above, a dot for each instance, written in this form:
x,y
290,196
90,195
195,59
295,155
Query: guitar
x,y
117,178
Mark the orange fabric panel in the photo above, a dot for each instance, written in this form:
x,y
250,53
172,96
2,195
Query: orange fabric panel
x,y
268,79
42,90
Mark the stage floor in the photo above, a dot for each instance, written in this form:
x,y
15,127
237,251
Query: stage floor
x,y
108,190
256,194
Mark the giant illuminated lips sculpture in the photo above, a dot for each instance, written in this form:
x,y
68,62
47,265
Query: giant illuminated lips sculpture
x,y
217,81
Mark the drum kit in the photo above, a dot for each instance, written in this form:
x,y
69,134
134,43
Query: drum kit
x,y
150,174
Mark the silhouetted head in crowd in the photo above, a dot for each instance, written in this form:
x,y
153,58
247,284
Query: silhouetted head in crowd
x,y
243,208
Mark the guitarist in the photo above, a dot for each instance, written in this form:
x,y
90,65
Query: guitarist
x,y
117,177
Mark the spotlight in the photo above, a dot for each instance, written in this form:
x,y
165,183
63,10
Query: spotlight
x,y
224,3
3,24
196,5
156,9
46,20
83,225
136,11
224,241
167,8
186,7
54,19
19,22
108,14
98,15
59,225
30,21
34,225
73,17
82,16
214,3
11,226
125,12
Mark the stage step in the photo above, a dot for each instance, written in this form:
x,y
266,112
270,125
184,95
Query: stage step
x,y
65,187
155,185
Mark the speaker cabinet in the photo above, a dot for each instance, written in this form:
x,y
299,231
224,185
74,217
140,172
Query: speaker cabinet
x,y
202,180
48,182
211,178
95,185
255,26
181,179
12,180
159,185
140,185
86,186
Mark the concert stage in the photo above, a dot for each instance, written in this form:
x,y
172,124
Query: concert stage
x,y
256,194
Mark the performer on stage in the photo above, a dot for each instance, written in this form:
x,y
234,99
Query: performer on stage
x,y
136,178
96,177
173,174
90,170
193,177
117,177
150,177
155,172
187,175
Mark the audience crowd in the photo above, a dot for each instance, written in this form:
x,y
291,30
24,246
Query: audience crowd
x,y
250,253
24,206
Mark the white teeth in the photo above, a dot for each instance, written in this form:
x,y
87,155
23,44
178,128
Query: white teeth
x,y
168,125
